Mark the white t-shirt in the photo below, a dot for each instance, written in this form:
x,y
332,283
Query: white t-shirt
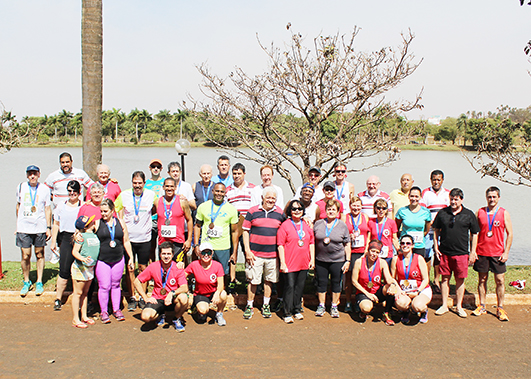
x,y
58,180
317,195
343,194
184,188
29,221
67,216
256,196
138,231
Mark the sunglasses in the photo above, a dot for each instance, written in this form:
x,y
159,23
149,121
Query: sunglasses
x,y
381,208
207,252
452,222
72,191
406,243
156,166
295,209
341,171
328,189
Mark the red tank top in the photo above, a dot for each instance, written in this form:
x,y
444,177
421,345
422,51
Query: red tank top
x,y
363,229
414,269
177,220
376,276
494,245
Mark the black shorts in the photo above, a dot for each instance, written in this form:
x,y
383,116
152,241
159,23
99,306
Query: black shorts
x,y
160,307
485,264
141,251
205,298
422,253
379,294
25,240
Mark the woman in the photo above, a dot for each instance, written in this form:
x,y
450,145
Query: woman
x,y
208,276
411,273
114,239
367,278
85,252
332,255
415,221
384,229
64,226
296,251
329,189
92,207
358,227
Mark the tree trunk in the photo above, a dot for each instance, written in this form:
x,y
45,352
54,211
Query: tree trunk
x,y
92,81
116,132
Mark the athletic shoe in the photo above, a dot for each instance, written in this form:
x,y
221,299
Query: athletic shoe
x,y
298,316
119,315
266,311
248,312
461,313
362,316
162,320
179,327
334,312
288,320
232,287
388,320
38,289
348,308
442,310
104,316
480,310
141,303
502,315
57,305
277,306
320,311
25,288
220,320
424,318
131,304
405,318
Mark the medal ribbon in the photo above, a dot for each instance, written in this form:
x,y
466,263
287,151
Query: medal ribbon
x,y
111,229
491,223
339,194
357,223
167,211
378,229
369,272
212,215
299,232
33,193
137,206
327,232
207,193
105,189
162,278
409,267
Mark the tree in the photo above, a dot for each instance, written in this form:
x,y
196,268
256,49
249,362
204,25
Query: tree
x,y
336,93
64,119
135,116
118,117
92,82
11,132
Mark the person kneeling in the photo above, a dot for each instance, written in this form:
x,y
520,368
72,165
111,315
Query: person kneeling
x,y
208,284
169,291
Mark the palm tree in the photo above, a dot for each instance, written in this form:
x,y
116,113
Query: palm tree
x,y
76,121
118,117
134,116
145,117
64,119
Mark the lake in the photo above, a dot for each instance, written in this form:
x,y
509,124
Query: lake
x,y
123,161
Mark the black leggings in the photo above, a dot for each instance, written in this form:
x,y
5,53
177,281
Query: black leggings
x,y
323,270
65,255
293,288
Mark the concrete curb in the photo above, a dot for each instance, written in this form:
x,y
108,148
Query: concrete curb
x,y
309,300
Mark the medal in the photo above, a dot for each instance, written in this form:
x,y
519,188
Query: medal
x,y
212,215
33,209
167,211
406,283
301,243
136,219
112,244
33,197
300,233
167,222
326,241
356,233
370,285
491,222
489,233
163,279
163,291
211,225
136,206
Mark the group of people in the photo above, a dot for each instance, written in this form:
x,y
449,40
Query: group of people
x,y
376,246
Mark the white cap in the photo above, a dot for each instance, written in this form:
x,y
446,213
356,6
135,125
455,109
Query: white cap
x,y
205,246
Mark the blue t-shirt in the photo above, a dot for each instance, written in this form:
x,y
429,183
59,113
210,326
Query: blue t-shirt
x,y
413,223
227,181
155,186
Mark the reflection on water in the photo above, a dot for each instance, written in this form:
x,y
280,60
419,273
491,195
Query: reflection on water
x,y
123,161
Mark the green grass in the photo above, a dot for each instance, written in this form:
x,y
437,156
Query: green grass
x,y
12,280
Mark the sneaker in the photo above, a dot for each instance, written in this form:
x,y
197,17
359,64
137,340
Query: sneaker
x,y
220,320
179,327
25,288
461,313
388,320
502,315
298,316
105,318
442,310
131,304
334,312
141,303
277,306
405,318
38,289
118,315
288,320
320,311
232,287
248,312
348,308
424,318
266,311
362,316
57,305
162,320
480,310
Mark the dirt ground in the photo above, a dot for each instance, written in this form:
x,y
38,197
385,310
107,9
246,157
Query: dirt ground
x,y
35,342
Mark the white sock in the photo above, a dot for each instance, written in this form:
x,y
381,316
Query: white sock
x,y
250,303
334,305
266,300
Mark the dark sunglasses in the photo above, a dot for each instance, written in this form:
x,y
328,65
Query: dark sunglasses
x,y
341,171
295,209
207,252
381,208
406,243
156,166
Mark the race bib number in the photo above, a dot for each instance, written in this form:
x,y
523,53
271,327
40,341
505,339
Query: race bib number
x,y
359,241
418,237
408,285
384,252
28,213
168,231
215,232
93,242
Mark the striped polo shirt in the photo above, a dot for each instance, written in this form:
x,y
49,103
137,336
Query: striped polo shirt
x,y
262,227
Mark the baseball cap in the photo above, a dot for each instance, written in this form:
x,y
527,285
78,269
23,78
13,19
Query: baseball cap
x,y
308,185
83,221
33,168
315,168
155,161
329,184
205,246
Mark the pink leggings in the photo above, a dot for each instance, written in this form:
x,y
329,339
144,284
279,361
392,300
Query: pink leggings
x,y
109,276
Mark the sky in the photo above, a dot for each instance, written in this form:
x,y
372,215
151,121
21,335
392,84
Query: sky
x,y
472,51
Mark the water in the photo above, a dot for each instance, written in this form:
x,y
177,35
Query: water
x,y
123,161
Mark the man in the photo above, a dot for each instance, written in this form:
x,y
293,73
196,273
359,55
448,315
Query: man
x,y
203,188
183,189
434,198
259,238
492,252
217,223
58,180
310,207
266,174
314,177
238,194
135,206
454,227
343,188
34,224
223,175
173,213
155,184
169,289
371,194
400,197
111,189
